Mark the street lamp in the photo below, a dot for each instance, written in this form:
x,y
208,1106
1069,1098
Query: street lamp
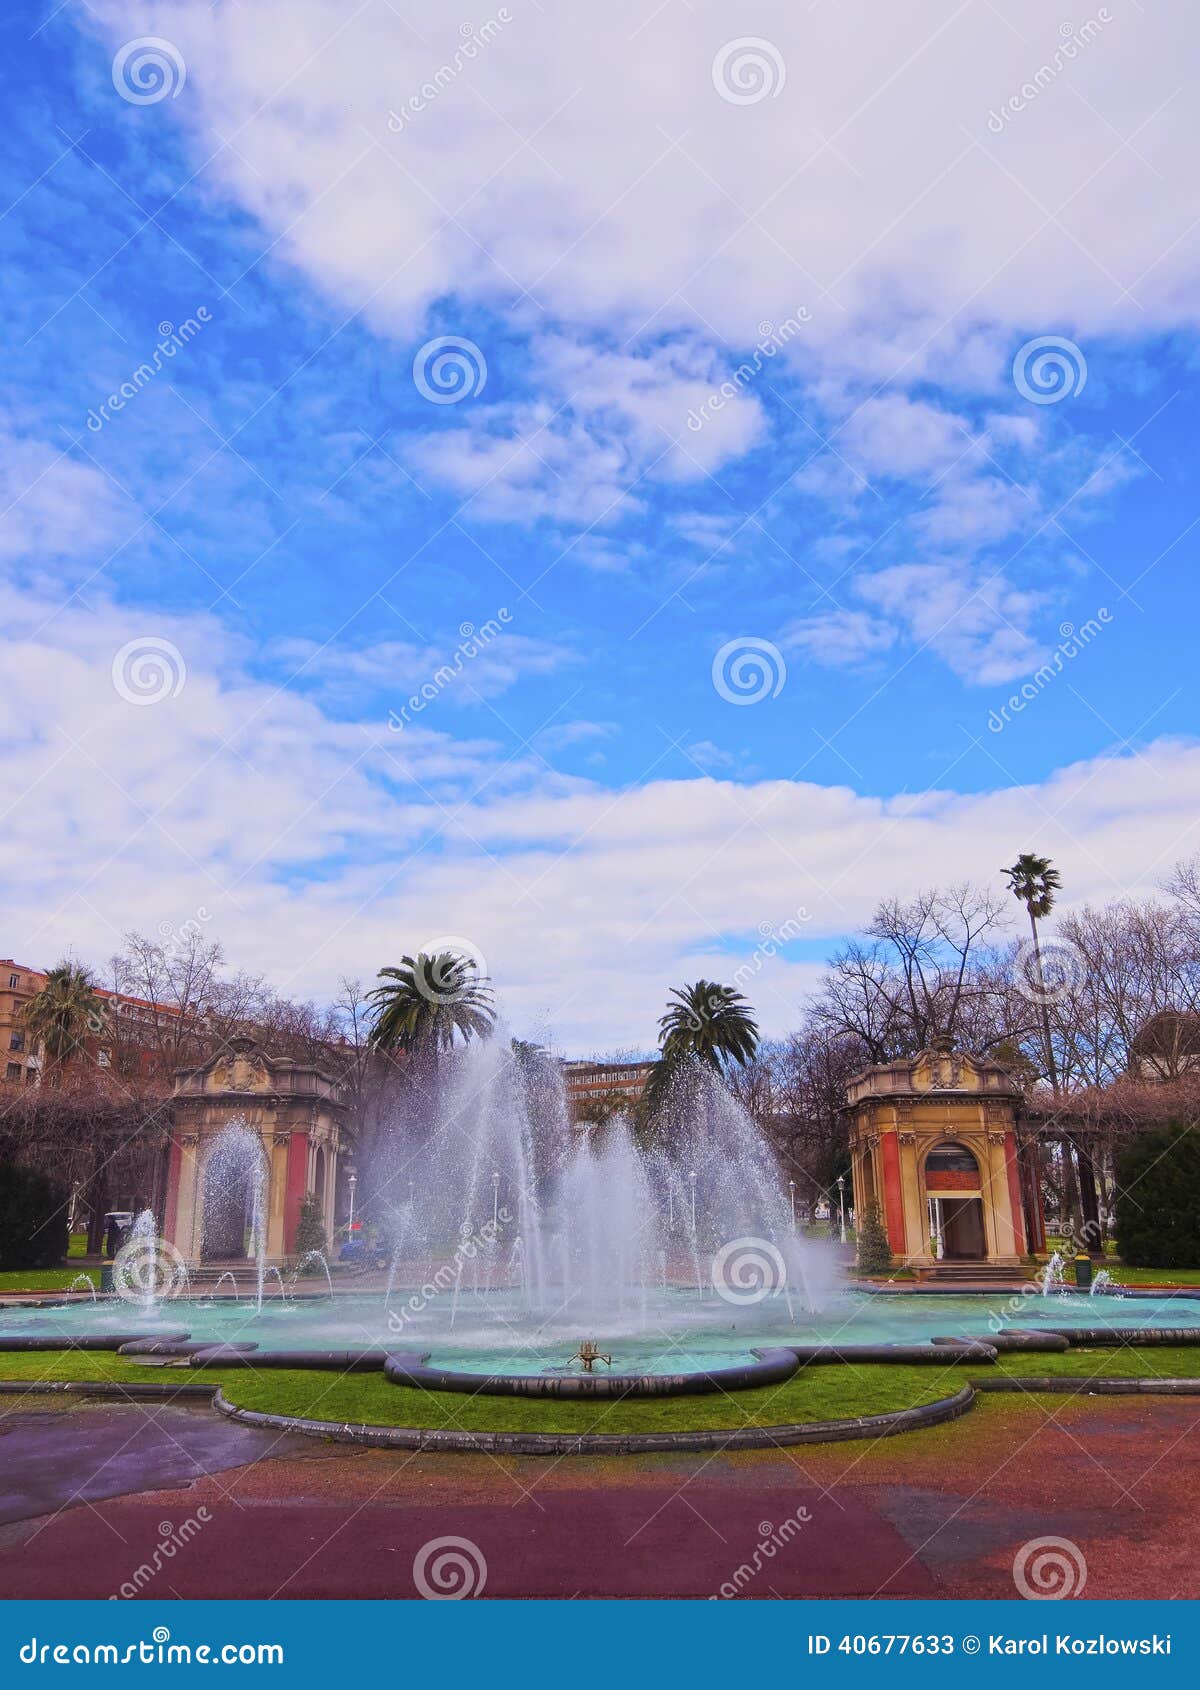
x,y
351,1181
841,1185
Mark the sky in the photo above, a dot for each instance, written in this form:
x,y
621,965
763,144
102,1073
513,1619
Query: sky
x,y
589,486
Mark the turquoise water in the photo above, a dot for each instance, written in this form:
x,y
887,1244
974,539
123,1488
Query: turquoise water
x,y
673,1331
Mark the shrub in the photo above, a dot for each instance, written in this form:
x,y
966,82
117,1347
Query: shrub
x,y
1158,1200
33,1219
310,1229
874,1251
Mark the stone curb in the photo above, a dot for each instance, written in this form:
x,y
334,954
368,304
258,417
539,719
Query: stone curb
x,y
610,1443
113,1389
1102,1386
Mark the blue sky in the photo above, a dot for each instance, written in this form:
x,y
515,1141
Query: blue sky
x,y
881,505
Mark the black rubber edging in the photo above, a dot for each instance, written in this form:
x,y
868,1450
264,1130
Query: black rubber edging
x,y
610,1443
89,1341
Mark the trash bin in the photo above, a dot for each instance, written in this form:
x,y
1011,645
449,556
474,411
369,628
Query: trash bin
x,y
106,1279
1083,1271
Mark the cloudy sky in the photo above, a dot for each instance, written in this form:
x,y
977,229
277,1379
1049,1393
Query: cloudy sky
x,y
580,481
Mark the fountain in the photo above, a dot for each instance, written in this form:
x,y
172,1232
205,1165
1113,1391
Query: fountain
x,y
511,1230
308,1259
1101,1283
235,1185
83,1281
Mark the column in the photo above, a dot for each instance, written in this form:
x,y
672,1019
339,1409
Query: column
x,y
893,1194
297,1185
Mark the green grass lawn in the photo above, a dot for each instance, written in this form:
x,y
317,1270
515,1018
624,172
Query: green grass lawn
x,y
46,1279
819,1393
816,1393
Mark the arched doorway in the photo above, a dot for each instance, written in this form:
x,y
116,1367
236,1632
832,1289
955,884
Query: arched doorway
x,y
954,1194
234,1195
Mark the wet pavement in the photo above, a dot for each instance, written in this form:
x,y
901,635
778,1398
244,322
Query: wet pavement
x,y
93,1493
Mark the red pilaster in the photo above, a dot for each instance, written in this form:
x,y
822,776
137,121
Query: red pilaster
x,y
1014,1193
172,1204
893,1195
297,1181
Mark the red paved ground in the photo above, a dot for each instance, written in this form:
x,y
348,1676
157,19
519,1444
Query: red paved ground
x,y
938,1513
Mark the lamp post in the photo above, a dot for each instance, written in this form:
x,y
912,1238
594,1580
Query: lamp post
x,y
841,1185
792,1195
351,1181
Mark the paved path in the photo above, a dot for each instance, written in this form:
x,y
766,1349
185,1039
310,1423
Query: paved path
x,y
940,1513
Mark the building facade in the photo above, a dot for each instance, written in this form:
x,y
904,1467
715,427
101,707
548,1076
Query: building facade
x,y
295,1110
604,1085
127,1037
935,1141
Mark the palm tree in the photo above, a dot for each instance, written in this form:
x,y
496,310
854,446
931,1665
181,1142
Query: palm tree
x,y
705,1023
64,1012
427,1003
1034,881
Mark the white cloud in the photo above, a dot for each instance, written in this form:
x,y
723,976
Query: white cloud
x,y
321,847
839,638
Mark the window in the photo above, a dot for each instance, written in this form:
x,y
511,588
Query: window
x,y
14,980
104,1057
16,1041
14,1071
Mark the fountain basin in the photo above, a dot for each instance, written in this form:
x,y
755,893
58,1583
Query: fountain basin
x,y
767,1367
